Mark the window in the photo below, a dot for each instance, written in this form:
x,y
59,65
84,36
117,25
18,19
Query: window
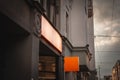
x,y
90,8
42,3
89,3
47,68
67,25
85,7
51,8
52,12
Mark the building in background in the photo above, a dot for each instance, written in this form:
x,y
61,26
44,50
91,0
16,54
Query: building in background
x,y
36,36
116,71
108,77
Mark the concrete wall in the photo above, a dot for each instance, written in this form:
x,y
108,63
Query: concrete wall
x,y
70,76
35,57
62,17
90,41
20,59
17,59
66,51
82,57
80,30
18,11
78,23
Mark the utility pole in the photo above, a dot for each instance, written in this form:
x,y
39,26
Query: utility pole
x,y
99,72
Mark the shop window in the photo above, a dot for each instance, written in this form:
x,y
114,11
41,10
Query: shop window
x,y
47,68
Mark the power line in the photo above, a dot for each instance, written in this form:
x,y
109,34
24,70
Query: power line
x,y
99,72
98,53
106,61
113,9
106,36
107,51
112,15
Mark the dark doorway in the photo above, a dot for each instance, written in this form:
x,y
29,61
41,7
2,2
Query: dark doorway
x,y
12,40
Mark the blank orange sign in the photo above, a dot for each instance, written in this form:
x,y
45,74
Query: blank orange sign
x,y
71,64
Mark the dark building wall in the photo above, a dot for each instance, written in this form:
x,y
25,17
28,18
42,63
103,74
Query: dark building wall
x,y
18,11
15,51
16,57
61,68
35,57
19,47
18,60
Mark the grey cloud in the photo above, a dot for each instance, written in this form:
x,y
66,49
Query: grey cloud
x,y
109,52
104,9
110,45
103,13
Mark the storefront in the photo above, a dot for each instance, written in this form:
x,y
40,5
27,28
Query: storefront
x,y
50,52
27,51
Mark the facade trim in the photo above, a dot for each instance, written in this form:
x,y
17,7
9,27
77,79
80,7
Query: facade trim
x,y
75,49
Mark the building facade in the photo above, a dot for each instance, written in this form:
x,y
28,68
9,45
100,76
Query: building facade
x,y
36,35
28,52
76,22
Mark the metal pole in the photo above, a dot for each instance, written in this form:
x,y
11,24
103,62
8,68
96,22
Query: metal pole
x,y
99,73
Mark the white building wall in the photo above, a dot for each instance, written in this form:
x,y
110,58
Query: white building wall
x,y
62,17
90,41
65,8
81,30
82,57
78,24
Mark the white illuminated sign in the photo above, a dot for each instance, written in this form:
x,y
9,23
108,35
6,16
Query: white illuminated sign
x,y
50,34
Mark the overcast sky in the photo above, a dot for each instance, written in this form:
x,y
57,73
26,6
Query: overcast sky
x,y
107,32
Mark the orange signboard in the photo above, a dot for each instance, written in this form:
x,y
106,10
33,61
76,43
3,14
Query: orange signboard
x,y
71,63
50,34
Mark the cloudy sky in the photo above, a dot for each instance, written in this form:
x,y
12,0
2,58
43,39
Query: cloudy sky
x,y
107,32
